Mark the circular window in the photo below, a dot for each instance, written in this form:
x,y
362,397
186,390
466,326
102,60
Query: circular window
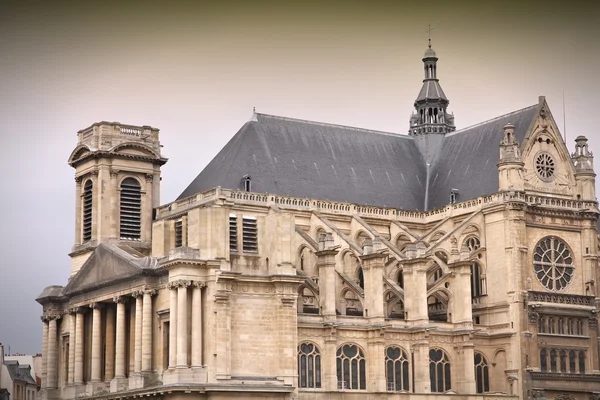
x,y
553,263
544,166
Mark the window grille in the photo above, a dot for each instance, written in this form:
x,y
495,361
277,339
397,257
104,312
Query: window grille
x,y
178,233
131,209
233,244
87,210
249,234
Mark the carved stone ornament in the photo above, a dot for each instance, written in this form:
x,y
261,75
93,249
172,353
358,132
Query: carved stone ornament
x,y
51,315
199,284
120,299
75,310
150,292
96,306
149,178
137,293
543,113
179,283
564,396
533,316
593,322
114,172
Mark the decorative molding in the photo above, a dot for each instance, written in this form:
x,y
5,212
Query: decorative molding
x,y
75,310
593,322
198,284
137,293
114,172
96,306
150,292
149,178
556,376
561,298
533,316
120,299
179,283
51,315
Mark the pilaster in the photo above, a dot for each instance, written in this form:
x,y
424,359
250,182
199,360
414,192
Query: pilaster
x,y
327,287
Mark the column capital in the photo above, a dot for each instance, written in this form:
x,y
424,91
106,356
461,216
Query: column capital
x,y
120,299
51,316
179,283
114,172
198,284
96,306
150,292
75,310
137,293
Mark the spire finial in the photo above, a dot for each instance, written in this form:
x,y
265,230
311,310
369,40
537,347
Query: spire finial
x,y
429,32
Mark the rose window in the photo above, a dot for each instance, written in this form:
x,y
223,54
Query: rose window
x,y
544,166
553,263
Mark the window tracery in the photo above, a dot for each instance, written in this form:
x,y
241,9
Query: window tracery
x,y
482,373
309,366
439,371
351,367
553,263
396,369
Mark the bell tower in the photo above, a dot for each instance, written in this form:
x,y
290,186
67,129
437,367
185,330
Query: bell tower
x,y
430,121
117,177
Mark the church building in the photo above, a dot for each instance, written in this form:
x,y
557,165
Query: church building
x,y
317,261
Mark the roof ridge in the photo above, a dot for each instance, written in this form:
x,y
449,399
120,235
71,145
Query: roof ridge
x,y
336,125
491,120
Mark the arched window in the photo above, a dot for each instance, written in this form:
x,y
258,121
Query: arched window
x,y
563,361
309,366
87,210
580,327
551,325
396,369
553,354
476,281
439,371
544,360
482,374
570,326
542,325
561,326
582,362
473,243
351,368
572,361
131,209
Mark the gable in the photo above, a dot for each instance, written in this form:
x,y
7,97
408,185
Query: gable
x,y
105,265
548,165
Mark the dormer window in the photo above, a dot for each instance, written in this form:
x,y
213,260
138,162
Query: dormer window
x,y
247,182
453,196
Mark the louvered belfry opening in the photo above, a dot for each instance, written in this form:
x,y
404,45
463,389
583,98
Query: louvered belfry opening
x,y
178,233
249,234
131,209
233,232
87,210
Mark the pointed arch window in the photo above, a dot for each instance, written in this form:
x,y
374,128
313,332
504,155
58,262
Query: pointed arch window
x,y
351,367
309,366
88,194
482,373
396,369
582,362
131,209
439,371
563,361
572,361
477,281
544,360
361,278
553,356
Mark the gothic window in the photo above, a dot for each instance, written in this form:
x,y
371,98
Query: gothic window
x,y
579,327
131,209
563,361
351,368
570,326
482,374
87,210
553,263
439,371
233,242
572,361
249,234
396,369
401,279
582,362
553,355
309,366
544,360
476,281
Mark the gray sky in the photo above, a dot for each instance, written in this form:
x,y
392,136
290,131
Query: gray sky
x,y
195,70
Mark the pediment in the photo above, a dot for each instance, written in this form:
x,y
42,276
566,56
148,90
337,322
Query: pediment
x,y
136,149
104,266
80,152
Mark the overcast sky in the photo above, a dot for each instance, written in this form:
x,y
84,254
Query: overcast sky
x,y
195,70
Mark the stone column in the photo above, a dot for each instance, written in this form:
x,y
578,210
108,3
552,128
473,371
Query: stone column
x,y
376,365
328,361
147,330
120,338
197,324
415,290
44,351
373,269
72,341
466,376
109,355
52,366
96,342
172,324
78,371
114,210
182,325
137,359
327,278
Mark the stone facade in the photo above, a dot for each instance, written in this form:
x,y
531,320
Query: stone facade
x,y
236,294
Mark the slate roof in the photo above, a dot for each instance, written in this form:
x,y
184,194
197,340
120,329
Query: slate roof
x,y
331,162
19,372
431,89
